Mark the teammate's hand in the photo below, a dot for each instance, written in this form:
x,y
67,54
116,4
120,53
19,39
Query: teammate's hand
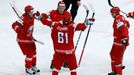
x,y
124,41
89,21
37,15
130,14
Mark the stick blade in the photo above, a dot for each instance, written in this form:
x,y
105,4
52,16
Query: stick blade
x,y
87,10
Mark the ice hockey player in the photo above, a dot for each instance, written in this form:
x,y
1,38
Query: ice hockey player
x,y
130,14
58,15
24,29
121,41
62,34
74,8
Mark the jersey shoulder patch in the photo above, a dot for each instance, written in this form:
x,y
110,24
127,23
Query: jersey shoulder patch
x,y
120,21
119,24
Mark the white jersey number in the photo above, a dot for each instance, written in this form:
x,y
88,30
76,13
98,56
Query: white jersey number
x,y
30,30
62,37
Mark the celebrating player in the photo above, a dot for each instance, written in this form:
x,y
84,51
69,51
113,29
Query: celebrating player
x,y
121,41
24,29
58,15
62,35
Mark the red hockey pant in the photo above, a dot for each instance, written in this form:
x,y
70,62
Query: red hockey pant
x,y
29,49
59,59
116,55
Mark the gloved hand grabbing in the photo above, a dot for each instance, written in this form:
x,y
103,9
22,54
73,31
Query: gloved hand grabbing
x,y
124,41
37,15
130,14
89,21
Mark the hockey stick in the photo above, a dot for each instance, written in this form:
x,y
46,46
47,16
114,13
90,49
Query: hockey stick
x,y
86,37
40,42
87,12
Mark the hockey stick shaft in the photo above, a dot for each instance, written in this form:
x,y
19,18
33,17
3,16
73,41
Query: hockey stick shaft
x,y
15,11
88,32
40,42
13,2
85,42
78,40
87,12
109,2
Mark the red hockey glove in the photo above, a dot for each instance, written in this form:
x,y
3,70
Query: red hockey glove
x,y
89,21
37,15
130,14
124,41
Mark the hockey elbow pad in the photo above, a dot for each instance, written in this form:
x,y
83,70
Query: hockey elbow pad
x,y
124,41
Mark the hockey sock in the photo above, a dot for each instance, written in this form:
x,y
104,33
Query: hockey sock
x,y
119,68
73,73
28,62
113,65
54,73
34,60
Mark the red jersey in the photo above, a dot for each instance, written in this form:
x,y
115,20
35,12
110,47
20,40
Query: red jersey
x,y
56,16
62,37
120,27
24,29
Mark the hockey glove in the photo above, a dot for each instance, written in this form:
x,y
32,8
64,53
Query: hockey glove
x,y
89,21
130,14
37,15
124,41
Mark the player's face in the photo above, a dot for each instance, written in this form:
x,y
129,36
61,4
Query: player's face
x,y
61,9
30,13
